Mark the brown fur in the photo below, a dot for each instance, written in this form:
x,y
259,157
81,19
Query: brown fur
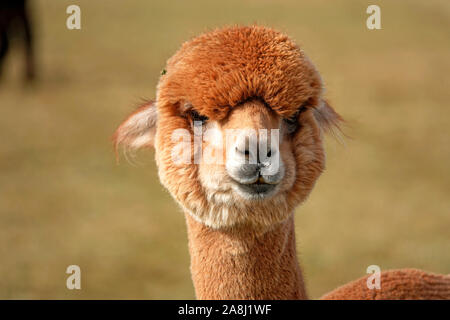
x,y
239,77
237,264
221,69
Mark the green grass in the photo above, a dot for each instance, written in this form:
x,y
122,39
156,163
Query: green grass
x,y
383,200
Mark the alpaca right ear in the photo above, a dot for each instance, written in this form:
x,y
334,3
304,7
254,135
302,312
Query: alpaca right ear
x,y
138,130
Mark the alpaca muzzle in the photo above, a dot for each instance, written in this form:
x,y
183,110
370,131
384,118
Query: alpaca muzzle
x,y
254,163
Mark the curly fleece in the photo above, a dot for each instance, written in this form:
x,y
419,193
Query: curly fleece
x,y
221,69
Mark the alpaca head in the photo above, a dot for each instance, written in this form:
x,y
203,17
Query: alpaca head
x,y
237,127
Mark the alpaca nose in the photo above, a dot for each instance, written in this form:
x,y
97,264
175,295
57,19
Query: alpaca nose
x,y
257,151
258,156
253,158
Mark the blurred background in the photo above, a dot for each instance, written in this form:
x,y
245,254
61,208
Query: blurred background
x,y
384,198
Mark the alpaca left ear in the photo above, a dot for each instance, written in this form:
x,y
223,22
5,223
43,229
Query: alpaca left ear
x,y
329,120
139,129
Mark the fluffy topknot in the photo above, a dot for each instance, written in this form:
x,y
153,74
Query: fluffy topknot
x,y
220,69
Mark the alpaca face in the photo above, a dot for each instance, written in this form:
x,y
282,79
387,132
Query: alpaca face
x,y
215,179
251,155
237,127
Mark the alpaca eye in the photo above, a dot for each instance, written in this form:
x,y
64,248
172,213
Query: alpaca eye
x,y
196,117
291,124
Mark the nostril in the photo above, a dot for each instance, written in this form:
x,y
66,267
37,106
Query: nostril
x,y
269,153
245,152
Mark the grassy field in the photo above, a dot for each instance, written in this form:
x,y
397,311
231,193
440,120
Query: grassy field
x,y
383,200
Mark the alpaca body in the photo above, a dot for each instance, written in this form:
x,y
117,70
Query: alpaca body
x,y
401,284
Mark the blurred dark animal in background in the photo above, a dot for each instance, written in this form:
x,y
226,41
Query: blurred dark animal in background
x,y
15,22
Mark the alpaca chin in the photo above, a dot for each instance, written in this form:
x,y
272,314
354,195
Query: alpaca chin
x,y
228,210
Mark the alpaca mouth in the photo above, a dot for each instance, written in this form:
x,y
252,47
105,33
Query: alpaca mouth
x,y
257,190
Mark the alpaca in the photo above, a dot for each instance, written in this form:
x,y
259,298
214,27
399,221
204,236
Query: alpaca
x,y
15,21
240,213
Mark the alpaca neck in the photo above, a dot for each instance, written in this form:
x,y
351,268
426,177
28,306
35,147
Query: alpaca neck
x,y
243,265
